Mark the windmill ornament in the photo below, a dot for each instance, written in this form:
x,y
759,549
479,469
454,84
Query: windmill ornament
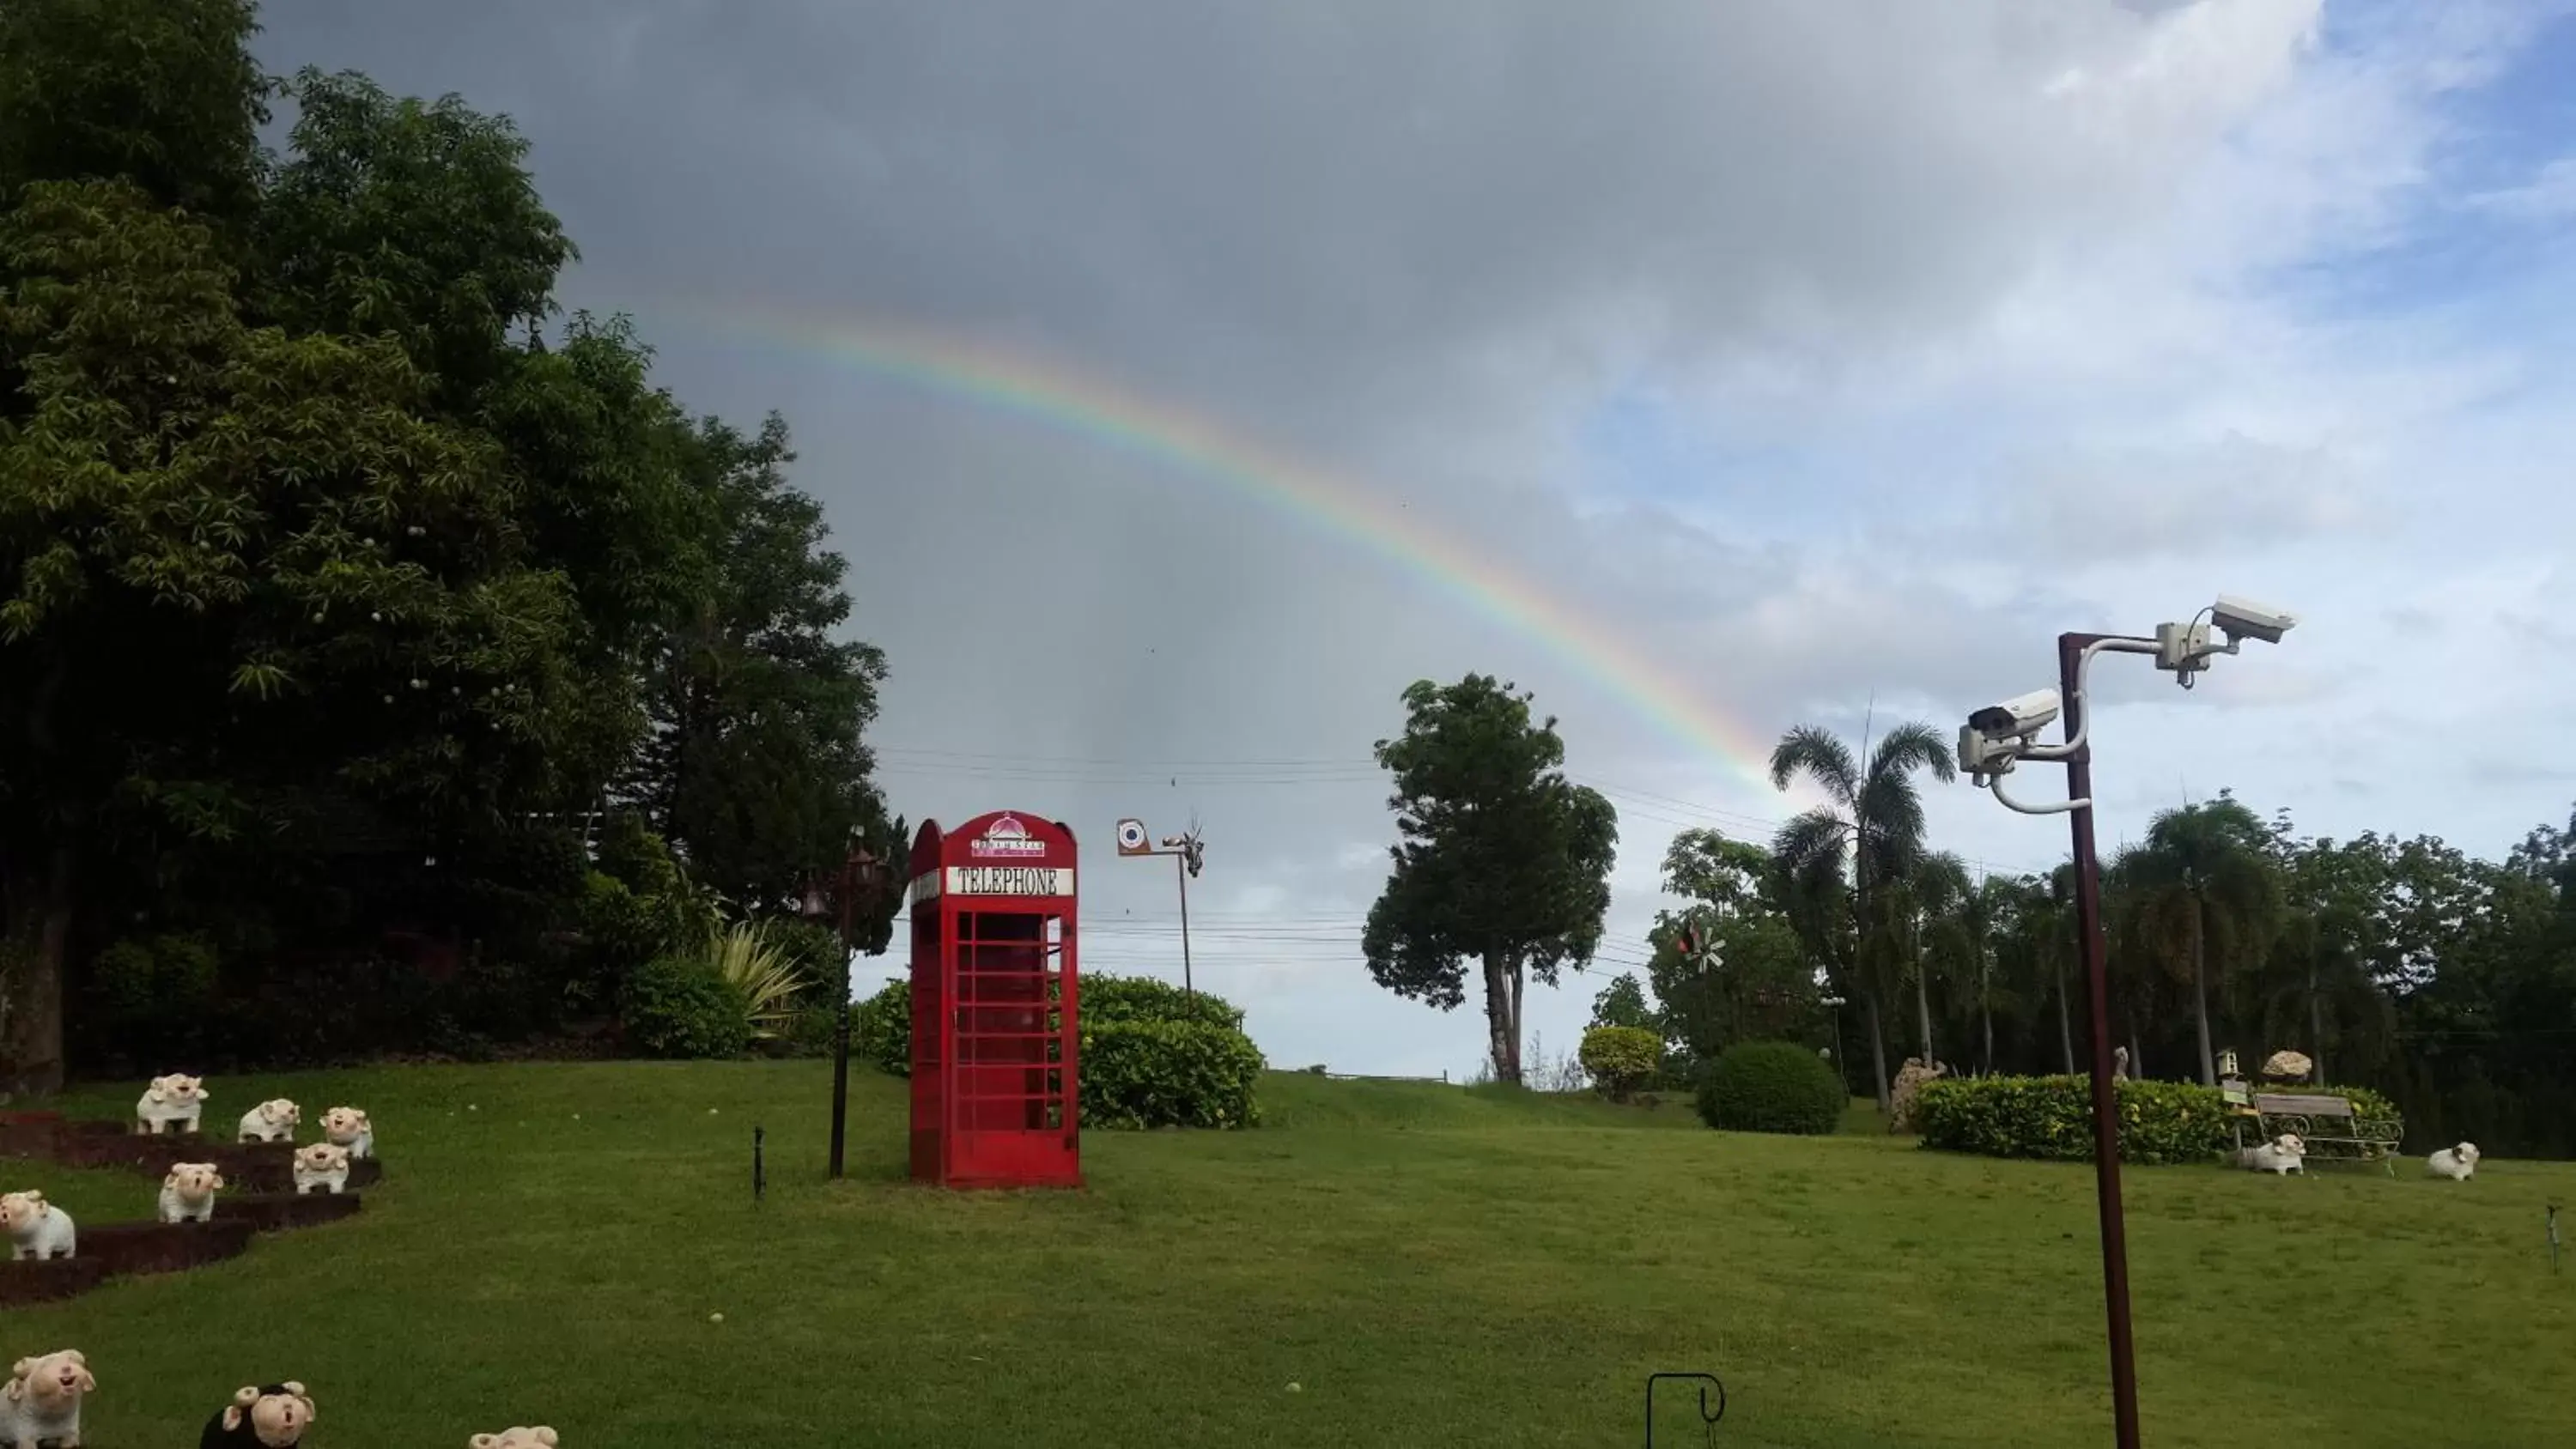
x,y
1188,853
1696,944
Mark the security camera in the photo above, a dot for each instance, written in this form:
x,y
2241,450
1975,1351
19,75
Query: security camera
x,y
2017,718
2245,619
1981,755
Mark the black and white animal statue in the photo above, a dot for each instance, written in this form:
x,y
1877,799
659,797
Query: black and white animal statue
x,y
270,1417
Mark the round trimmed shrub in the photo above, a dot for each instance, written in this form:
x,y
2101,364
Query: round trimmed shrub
x,y
1145,1073
1771,1086
676,1007
1621,1060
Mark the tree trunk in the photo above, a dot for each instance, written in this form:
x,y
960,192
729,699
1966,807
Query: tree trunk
x,y
2316,1024
31,1046
1519,980
1877,1053
2065,1026
1502,1033
2200,999
1986,1011
1922,988
2137,1050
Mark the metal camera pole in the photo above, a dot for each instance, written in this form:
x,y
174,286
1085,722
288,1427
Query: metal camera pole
x,y
2000,736
2106,1110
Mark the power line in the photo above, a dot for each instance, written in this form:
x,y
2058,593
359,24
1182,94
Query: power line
x,y
1079,770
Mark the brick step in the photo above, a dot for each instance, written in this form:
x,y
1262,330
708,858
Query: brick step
x,y
250,1166
124,1250
270,1212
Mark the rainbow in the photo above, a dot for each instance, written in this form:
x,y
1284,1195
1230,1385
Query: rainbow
x,y
1088,407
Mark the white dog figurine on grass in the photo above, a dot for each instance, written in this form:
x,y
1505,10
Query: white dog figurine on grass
x,y
321,1165
2459,1164
2281,1156
348,1127
539,1437
271,1121
172,1099
37,1229
42,1400
188,1193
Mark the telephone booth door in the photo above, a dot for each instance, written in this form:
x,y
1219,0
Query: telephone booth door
x,y
996,1005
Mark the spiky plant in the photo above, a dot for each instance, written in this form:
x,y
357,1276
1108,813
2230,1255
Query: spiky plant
x,y
760,972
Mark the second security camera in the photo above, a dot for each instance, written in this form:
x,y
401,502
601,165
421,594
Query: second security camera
x,y
2245,619
2017,718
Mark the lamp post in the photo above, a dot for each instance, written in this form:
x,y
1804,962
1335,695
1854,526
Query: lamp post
x,y
2000,736
859,880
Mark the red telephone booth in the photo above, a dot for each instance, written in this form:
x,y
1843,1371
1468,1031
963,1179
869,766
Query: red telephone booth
x,y
995,1003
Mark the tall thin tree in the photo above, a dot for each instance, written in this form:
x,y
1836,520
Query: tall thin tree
x,y
1872,818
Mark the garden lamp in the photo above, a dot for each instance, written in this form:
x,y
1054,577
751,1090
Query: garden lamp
x,y
862,876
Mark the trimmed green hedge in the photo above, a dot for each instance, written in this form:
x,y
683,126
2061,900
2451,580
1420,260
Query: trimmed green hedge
x,y
1771,1086
1141,1073
2052,1117
1153,1055
881,1030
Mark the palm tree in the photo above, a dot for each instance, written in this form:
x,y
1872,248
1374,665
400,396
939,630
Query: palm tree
x,y
1935,885
1873,817
2317,972
1967,933
2047,930
2206,897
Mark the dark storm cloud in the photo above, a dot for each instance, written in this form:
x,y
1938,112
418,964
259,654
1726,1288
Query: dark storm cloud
x,y
1411,246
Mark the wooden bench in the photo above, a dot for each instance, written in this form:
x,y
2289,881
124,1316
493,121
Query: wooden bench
x,y
2328,1125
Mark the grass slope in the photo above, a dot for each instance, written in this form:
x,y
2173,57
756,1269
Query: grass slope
x,y
1431,1265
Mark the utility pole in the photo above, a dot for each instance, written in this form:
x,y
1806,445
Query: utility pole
x,y
1188,853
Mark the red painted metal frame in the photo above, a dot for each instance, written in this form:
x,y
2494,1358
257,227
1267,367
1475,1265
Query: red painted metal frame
x,y
996,1086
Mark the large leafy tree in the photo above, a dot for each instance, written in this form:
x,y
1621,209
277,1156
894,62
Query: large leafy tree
x,y
242,576
162,94
330,585
1872,824
1729,965
2207,899
756,765
1499,859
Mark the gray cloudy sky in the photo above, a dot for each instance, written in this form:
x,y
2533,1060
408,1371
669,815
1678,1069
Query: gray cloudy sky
x,y
1821,353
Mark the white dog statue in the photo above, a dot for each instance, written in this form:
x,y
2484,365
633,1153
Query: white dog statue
x,y
271,1121
348,1127
42,1400
2282,1156
539,1437
188,1193
37,1229
321,1165
2459,1164
172,1099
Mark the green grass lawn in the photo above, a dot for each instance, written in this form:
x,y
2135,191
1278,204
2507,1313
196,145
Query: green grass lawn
x,y
1428,1265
